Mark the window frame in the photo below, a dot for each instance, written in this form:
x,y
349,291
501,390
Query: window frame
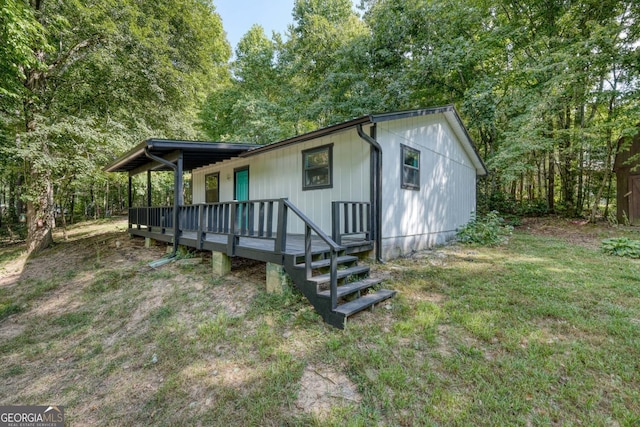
x,y
403,166
216,174
329,166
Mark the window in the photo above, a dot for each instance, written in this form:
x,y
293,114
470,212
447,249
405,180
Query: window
x,y
212,188
317,166
410,168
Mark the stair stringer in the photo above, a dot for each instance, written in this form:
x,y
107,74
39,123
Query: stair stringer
x,y
310,291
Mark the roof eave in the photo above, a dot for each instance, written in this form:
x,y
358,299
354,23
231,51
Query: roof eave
x,y
310,135
450,112
165,144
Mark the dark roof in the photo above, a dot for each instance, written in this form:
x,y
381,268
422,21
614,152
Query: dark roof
x,y
195,154
449,112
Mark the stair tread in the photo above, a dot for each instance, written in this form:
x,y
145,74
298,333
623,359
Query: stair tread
x,y
324,278
352,287
364,302
326,262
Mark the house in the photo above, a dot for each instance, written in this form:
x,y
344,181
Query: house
x,y
383,184
627,168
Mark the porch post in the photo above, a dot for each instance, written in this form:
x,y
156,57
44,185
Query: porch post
x,y
130,199
130,192
149,188
180,181
177,192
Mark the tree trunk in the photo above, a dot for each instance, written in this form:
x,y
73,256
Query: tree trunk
x,y
605,179
40,213
552,184
73,207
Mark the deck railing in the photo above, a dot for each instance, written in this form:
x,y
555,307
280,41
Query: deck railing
x,y
350,219
309,227
260,219
152,217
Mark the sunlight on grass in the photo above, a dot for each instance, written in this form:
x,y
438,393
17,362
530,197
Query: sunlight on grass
x,y
482,324
537,332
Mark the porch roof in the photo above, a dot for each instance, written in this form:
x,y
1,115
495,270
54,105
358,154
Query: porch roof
x,y
195,154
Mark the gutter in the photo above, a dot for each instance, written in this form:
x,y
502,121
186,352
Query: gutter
x,y
376,187
176,197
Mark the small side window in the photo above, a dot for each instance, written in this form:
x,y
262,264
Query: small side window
x,y
410,168
212,187
317,167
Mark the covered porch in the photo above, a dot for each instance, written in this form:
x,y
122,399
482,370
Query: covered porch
x,y
255,229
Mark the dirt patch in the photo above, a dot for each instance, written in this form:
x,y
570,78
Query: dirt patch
x,y
11,329
576,232
323,388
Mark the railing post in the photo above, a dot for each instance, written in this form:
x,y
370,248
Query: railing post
x,y
354,218
270,219
200,226
231,238
261,219
307,251
335,222
334,279
281,233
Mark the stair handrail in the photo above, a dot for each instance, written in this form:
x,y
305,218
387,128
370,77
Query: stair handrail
x,y
334,248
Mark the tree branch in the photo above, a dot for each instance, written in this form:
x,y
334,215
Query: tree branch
x,y
66,59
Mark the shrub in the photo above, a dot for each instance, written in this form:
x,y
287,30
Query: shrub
x,y
622,246
488,230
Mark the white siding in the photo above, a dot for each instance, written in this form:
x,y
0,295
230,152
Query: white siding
x,y
411,219
278,173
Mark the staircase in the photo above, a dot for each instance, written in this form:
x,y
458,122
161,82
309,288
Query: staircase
x,y
354,291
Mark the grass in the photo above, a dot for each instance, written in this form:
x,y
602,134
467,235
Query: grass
x,y
540,331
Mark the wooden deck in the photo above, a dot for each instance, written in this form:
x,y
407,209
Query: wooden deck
x,y
254,229
254,248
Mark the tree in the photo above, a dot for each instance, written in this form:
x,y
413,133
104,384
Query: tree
x,y
248,106
102,74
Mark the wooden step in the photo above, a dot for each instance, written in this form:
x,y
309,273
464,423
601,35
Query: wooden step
x,y
325,278
364,302
327,262
351,288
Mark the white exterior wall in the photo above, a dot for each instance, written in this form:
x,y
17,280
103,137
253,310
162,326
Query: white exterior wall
x,y
419,219
278,173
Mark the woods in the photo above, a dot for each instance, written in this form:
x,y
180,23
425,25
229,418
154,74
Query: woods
x,y
547,89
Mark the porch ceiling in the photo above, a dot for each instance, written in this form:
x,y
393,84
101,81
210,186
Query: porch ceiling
x,y
195,154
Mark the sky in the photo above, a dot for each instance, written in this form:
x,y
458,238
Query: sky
x,y
239,15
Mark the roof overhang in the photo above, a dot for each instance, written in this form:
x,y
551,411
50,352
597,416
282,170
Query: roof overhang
x,y
194,154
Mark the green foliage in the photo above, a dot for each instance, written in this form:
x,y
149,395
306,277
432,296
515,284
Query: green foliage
x,y
8,308
86,80
487,231
546,91
20,33
621,246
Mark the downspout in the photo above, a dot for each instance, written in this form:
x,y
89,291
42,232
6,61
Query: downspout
x,y
176,198
376,188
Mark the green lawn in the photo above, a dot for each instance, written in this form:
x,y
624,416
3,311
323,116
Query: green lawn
x,y
540,331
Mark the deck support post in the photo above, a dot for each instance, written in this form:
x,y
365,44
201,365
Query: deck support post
x,y
220,263
149,242
277,278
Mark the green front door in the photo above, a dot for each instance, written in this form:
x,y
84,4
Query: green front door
x,y
241,193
